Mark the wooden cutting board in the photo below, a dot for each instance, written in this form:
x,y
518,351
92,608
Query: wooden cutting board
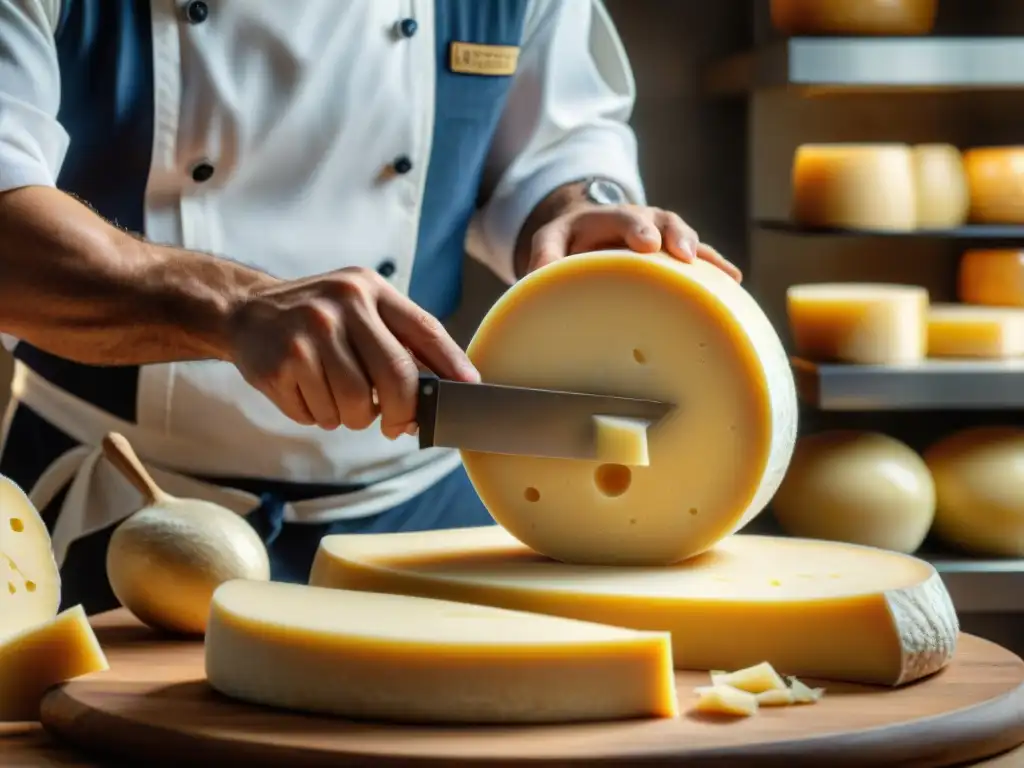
x,y
155,706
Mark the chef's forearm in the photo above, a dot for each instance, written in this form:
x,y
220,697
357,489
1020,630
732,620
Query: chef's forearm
x,y
78,287
551,207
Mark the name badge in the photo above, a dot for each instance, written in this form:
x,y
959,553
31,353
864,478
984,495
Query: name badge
x,y
488,60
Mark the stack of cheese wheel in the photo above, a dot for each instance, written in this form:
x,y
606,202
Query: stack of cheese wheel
x,y
597,546
995,176
854,17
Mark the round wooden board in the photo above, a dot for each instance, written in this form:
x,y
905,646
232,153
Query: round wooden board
x,y
155,706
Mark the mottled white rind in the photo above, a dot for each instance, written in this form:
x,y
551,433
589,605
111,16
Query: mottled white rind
x,y
926,625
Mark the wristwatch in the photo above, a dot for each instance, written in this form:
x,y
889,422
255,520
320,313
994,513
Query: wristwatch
x,y
604,192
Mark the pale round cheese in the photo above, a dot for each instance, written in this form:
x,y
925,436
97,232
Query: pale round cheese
x,y
621,323
963,330
854,17
29,578
165,561
858,487
943,199
995,176
864,323
854,186
979,483
993,277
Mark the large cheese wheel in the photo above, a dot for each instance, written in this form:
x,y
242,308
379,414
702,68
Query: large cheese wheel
x,y
854,186
859,487
992,277
854,17
814,608
995,176
642,326
30,579
979,484
962,330
943,200
865,323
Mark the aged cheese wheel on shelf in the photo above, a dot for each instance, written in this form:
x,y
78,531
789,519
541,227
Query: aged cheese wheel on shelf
x,y
43,655
854,17
809,608
858,487
854,186
993,277
390,657
649,326
865,323
963,330
995,176
27,565
943,200
979,484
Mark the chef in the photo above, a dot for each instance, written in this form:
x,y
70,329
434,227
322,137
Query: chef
x,y
228,228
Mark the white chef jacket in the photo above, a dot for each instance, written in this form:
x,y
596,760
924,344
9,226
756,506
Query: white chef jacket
x,y
297,137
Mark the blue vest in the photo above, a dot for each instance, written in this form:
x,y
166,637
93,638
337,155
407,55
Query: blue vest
x,y
104,48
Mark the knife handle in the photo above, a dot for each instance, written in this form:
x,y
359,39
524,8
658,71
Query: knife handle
x,y
426,408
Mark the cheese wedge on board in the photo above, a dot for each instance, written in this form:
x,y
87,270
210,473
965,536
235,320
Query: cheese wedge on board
x,y
992,277
995,177
963,330
864,323
854,186
390,657
648,326
29,579
808,608
41,656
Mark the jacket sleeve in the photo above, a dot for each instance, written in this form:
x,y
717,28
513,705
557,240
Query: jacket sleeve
x,y
32,142
566,119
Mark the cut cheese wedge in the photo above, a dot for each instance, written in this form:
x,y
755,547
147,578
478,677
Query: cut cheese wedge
x,y
686,334
776,697
992,277
29,579
961,330
756,679
815,609
943,200
854,17
725,700
865,323
622,441
804,694
995,176
389,657
37,658
854,186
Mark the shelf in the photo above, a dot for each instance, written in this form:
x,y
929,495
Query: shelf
x,y
931,385
961,63
977,232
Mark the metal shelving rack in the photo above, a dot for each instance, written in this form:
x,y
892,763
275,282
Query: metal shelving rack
x,y
842,65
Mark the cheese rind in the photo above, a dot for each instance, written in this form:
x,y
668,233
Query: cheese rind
x,y
39,657
961,330
992,278
29,578
815,609
854,186
995,176
389,657
685,334
864,323
979,477
854,17
943,199
622,441
859,487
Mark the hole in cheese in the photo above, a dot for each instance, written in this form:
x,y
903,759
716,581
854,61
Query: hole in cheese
x,y
531,494
639,356
30,586
11,587
17,525
613,479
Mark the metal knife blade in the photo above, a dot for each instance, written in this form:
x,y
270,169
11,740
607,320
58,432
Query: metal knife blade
x,y
496,418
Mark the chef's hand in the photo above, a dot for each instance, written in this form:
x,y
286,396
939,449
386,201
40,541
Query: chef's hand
x,y
588,227
319,347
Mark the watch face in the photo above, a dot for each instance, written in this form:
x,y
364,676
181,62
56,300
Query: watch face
x,y
605,192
